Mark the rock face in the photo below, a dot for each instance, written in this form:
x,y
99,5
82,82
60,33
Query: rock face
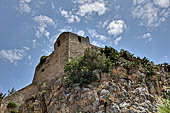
x,y
47,93
98,97
67,46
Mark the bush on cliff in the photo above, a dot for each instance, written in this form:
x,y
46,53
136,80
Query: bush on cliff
x,y
43,59
11,104
82,70
164,106
1,97
14,111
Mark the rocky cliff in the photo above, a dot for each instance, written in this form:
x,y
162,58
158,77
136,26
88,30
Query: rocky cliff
x,y
101,81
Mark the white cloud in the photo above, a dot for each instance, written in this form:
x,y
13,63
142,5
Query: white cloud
x,y
84,8
43,22
89,8
13,55
69,16
147,13
34,43
94,34
116,27
24,6
117,7
135,2
81,32
69,29
82,1
103,24
151,13
26,48
29,57
97,44
117,40
147,37
162,3
52,5
66,29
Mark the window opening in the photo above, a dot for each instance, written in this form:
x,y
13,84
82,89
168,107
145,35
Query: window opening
x,y
58,43
79,38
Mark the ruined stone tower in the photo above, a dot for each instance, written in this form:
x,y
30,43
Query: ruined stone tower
x,y
67,46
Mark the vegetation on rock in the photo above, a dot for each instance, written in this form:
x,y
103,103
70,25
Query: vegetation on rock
x,y
11,91
103,80
82,70
43,59
14,111
11,104
164,106
2,95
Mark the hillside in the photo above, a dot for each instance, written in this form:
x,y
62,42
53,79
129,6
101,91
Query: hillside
x,y
101,80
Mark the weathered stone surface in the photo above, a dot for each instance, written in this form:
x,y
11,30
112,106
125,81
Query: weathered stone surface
x,y
109,94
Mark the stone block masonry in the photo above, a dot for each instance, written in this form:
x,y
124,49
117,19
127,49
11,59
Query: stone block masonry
x,y
67,47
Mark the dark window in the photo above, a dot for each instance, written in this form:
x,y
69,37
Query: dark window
x,y
42,70
79,38
58,43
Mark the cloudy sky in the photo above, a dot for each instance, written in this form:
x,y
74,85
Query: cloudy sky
x,y
29,28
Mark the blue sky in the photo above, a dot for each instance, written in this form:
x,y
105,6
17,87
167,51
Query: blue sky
x,y
29,28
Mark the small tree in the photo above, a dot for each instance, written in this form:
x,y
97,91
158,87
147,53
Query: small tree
x,y
12,107
43,59
11,91
11,104
1,96
81,70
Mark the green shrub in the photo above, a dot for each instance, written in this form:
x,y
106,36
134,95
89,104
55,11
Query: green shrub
x,y
1,97
164,106
11,104
81,70
140,79
14,111
43,59
11,91
110,53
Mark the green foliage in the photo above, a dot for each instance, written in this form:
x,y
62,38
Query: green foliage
x,y
11,91
127,65
11,104
140,79
43,59
2,96
166,66
14,111
164,107
126,55
81,70
43,91
110,53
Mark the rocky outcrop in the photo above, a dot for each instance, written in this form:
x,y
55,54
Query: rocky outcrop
x,y
104,96
132,85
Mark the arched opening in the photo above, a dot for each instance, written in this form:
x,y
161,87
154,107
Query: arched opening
x,y
58,43
79,38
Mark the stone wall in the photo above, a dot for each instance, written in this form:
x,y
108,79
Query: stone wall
x,y
54,64
19,97
78,45
67,46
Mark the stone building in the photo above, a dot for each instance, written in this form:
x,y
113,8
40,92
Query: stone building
x,y
67,46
